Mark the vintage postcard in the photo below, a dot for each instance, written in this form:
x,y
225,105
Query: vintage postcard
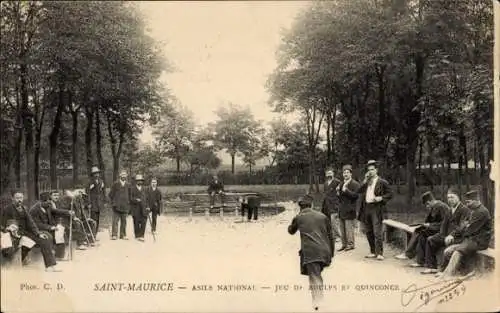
x,y
250,156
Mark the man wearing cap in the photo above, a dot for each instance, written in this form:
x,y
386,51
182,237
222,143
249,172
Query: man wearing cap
x,y
120,202
24,226
95,196
215,188
348,196
432,224
154,202
456,216
139,207
316,244
375,192
330,205
474,235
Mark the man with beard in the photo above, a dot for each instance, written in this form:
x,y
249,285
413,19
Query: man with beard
x,y
316,245
431,226
154,202
376,192
139,207
24,226
456,216
330,203
95,196
348,196
474,235
120,203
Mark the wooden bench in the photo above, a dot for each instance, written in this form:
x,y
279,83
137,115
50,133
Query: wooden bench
x,y
485,257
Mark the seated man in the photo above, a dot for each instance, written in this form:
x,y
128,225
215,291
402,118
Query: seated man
x,y
432,224
64,210
29,232
473,236
215,187
454,218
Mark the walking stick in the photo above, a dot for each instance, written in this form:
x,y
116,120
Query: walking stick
x,y
151,224
70,253
88,224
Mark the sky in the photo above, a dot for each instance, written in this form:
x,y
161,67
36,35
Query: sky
x,y
221,51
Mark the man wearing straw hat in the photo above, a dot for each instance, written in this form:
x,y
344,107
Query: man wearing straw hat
x,y
96,196
376,192
474,235
120,202
139,207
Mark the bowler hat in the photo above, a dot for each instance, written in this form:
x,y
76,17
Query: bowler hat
x,y
427,196
453,191
305,200
139,177
371,162
123,173
45,196
347,167
94,170
472,195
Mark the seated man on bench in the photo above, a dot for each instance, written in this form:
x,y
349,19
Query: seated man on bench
x,y
473,236
215,188
432,224
26,229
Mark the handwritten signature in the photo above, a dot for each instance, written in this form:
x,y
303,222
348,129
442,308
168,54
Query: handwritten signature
x,y
446,289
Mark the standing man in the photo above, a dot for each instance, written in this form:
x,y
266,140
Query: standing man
x,y
154,202
215,188
376,192
251,203
139,207
330,203
316,245
95,196
456,216
24,226
120,202
437,211
474,235
348,196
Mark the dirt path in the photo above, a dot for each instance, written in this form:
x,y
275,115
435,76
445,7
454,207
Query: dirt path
x,y
218,253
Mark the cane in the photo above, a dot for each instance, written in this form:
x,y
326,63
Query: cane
x,y
151,224
88,224
70,245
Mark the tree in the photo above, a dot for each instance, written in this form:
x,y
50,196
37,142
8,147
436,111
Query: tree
x,y
234,130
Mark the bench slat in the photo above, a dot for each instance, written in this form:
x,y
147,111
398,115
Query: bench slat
x,y
399,225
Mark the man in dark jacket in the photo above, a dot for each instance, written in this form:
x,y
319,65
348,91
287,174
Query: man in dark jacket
x,y
348,196
120,202
24,226
316,244
456,216
153,194
375,192
431,226
330,205
139,207
473,236
215,188
250,204
96,195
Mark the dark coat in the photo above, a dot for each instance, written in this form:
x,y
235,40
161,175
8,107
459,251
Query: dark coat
x,y
96,195
316,238
154,200
215,186
26,224
348,200
477,227
120,197
138,202
453,221
435,218
382,189
44,220
330,203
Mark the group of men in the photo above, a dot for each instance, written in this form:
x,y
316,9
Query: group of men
x,y
55,221
460,229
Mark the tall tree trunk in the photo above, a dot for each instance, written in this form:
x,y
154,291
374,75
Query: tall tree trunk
x,y
18,155
232,162
54,137
88,139
28,134
465,159
39,116
74,148
332,124
328,140
98,143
